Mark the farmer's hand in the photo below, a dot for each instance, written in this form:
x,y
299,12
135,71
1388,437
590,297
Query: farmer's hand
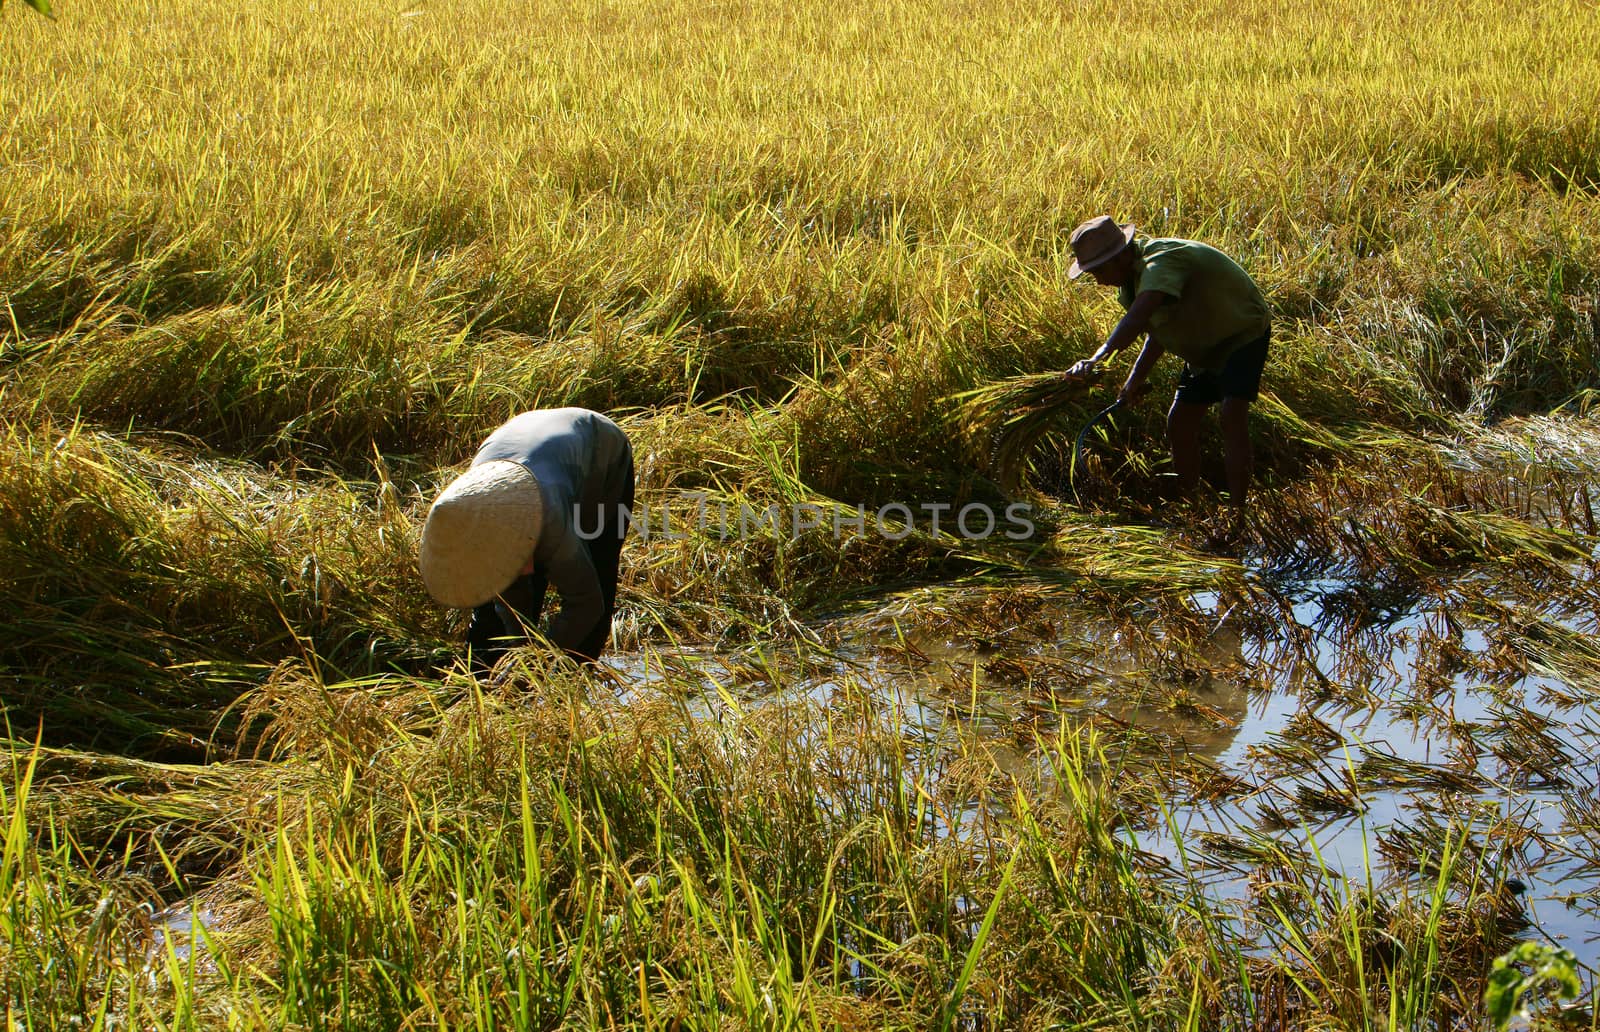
x,y
1132,392
1084,367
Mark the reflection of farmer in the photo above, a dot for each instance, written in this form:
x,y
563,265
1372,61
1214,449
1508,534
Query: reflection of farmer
x,y
545,502
1194,301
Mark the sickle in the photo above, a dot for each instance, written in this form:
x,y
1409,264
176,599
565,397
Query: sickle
x,y
1077,446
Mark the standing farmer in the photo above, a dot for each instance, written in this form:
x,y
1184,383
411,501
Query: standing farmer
x,y
546,502
1191,299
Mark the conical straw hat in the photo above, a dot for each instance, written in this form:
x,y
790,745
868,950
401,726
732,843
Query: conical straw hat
x,y
480,532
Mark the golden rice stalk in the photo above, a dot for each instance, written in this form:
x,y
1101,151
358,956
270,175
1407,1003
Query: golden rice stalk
x,y
1011,415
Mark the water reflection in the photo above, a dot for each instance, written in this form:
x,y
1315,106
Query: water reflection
x,y
181,929
1350,721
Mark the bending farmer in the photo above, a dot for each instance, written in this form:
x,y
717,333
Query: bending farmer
x,y
546,502
1191,299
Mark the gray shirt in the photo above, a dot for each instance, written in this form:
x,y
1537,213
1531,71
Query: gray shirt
x,y
583,462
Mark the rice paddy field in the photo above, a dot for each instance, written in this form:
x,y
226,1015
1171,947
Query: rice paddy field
x,y
269,272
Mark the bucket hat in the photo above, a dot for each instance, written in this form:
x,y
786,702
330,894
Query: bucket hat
x,y
1096,242
480,532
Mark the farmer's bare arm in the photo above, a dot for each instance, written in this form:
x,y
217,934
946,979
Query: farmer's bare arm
x,y
1133,387
1128,330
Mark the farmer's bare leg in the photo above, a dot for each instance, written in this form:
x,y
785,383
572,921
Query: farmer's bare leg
x,y
1185,420
1237,457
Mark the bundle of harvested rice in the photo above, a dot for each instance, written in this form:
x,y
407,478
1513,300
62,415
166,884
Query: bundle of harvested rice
x,y
1013,414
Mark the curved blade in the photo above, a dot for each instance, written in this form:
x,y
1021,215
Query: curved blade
x,y
1077,445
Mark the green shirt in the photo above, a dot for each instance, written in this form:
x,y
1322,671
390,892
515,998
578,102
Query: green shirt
x,y
1215,307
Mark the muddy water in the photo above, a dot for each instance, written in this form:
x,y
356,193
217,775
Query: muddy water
x,y
1352,723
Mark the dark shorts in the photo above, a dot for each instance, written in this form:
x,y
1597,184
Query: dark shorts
x,y
1240,376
